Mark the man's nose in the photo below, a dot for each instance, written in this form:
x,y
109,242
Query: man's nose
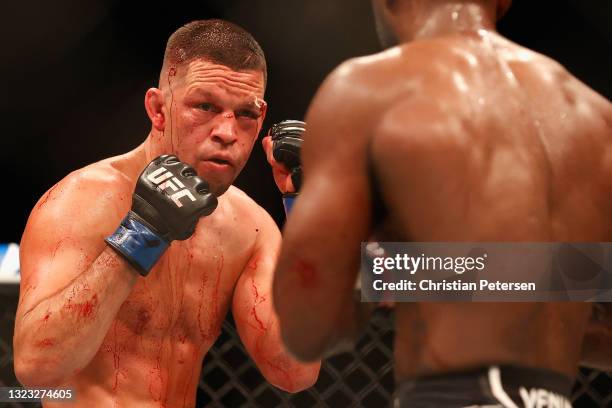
x,y
224,131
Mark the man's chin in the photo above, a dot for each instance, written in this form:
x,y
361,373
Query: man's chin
x,y
218,182
218,189
217,185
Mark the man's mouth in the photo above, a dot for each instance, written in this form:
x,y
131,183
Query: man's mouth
x,y
220,161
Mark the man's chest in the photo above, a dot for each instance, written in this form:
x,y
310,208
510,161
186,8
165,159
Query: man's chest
x,y
187,294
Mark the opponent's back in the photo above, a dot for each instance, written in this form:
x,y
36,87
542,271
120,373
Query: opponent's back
x,y
490,142
498,144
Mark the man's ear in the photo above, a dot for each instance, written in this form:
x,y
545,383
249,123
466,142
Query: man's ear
x,y
154,105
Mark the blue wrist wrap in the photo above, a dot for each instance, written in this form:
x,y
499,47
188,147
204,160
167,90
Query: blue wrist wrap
x,y
288,200
140,246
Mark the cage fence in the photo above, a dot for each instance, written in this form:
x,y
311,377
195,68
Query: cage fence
x,y
361,378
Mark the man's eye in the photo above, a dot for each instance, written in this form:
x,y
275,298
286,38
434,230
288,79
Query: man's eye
x,y
245,113
208,107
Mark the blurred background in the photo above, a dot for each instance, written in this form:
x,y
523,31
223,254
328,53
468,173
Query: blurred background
x,y
74,74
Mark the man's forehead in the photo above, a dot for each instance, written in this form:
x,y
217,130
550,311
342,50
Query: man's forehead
x,y
209,73
245,100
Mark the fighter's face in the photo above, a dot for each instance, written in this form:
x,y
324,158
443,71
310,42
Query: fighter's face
x,y
386,36
216,115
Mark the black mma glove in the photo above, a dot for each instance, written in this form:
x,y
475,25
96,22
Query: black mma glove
x,y
287,138
168,201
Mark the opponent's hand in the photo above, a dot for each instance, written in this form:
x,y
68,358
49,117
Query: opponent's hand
x,y
282,146
167,203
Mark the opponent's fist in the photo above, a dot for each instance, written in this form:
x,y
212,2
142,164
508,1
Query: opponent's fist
x,y
167,203
282,146
171,198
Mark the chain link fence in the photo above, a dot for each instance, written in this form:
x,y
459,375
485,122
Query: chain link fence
x,y
362,378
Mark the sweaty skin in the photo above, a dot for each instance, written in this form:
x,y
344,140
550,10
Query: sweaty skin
x,y
87,321
470,138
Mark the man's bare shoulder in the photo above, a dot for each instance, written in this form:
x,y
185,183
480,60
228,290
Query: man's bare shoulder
x,y
98,181
244,206
110,172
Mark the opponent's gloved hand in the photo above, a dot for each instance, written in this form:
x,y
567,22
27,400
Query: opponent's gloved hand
x,y
167,203
286,139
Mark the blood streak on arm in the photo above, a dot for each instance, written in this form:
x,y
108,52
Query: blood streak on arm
x,y
84,309
217,283
116,356
258,299
46,197
45,318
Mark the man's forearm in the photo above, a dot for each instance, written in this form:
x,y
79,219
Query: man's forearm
x,y
279,367
62,333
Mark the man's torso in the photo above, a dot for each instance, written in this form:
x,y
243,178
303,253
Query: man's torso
x,y
153,351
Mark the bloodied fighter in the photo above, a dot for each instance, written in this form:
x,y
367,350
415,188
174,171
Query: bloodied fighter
x,y
130,265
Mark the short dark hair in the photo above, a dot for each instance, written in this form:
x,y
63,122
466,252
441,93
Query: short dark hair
x,y
218,41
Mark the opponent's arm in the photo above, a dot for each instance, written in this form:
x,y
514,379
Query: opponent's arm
x,y
257,322
316,273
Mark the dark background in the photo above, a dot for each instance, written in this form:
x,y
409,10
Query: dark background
x,y
74,73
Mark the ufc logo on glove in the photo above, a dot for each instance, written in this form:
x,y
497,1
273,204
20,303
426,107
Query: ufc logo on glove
x,y
164,180
157,216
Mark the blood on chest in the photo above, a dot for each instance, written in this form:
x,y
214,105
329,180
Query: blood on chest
x,y
185,297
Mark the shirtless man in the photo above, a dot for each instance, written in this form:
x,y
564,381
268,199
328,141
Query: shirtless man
x,y
87,319
467,137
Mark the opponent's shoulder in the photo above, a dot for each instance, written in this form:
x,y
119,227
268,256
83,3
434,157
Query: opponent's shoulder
x,y
575,91
423,66
347,103
367,69
367,79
